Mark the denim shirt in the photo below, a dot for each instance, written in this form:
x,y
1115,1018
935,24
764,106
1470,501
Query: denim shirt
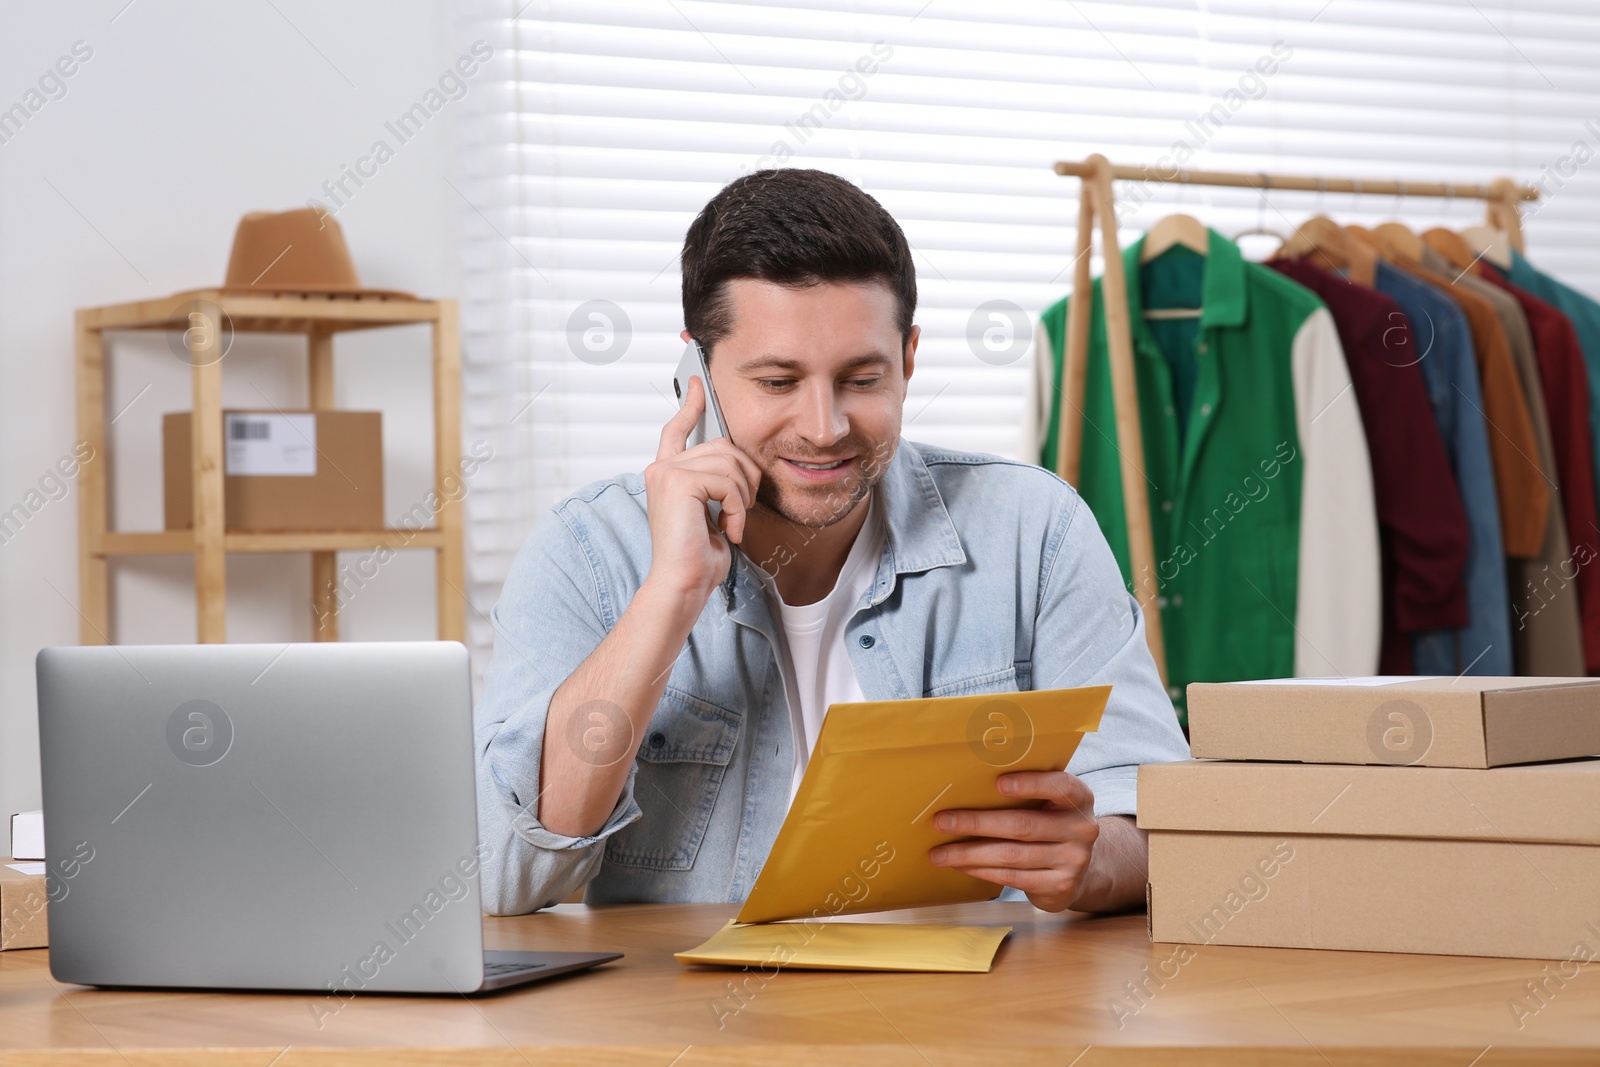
x,y
994,577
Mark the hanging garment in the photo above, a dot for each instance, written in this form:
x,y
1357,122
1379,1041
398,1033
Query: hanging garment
x,y
1261,502
1584,314
1422,524
1450,369
1036,434
1566,394
1520,484
1546,634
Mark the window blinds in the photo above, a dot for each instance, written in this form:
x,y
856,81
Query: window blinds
x,y
602,126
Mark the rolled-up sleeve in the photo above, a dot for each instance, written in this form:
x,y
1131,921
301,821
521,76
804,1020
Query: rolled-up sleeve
x,y
1090,631
548,620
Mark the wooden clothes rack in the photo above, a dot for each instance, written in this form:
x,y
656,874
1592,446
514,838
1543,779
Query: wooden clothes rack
x,y
1095,202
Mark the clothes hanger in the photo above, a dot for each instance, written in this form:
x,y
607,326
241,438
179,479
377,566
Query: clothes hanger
x,y
1452,247
1318,234
1490,243
1476,248
1185,230
1362,238
1381,243
1360,235
1326,241
1260,229
1167,233
1320,238
1398,235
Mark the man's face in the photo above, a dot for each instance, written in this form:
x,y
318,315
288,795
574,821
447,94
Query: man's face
x,y
813,378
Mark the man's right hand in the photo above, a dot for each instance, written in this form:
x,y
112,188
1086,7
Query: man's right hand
x,y
688,553
597,715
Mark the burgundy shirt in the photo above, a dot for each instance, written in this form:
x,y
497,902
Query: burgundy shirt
x,y
1422,525
1565,379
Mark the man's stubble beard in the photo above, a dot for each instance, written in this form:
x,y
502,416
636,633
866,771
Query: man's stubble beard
x,y
821,510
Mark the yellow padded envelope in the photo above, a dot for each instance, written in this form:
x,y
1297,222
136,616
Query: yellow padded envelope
x,y
821,946
857,836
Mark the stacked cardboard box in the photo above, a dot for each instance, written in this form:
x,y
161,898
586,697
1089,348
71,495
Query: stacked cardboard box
x,y
1437,815
23,904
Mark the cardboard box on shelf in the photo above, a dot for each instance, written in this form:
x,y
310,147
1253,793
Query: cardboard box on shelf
x,y
284,471
1431,722
22,905
27,835
1436,860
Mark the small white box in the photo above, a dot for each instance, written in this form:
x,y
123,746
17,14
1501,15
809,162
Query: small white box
x,y
27,835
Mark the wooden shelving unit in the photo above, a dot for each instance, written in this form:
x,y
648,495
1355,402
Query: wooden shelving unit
x,y
317,318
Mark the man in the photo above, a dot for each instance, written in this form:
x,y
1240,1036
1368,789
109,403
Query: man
x,y
659,679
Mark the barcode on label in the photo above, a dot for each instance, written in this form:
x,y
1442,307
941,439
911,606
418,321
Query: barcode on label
x,y
271,445
247,430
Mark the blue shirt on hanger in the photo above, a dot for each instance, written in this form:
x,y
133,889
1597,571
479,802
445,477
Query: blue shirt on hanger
x,y
1450,369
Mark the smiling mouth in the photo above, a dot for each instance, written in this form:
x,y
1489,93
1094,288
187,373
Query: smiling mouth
x,y
821,466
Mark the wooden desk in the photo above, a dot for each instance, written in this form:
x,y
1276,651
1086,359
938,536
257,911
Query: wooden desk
x,y
1048,1001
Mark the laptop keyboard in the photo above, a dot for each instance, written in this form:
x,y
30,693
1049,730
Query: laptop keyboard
x,y
496,970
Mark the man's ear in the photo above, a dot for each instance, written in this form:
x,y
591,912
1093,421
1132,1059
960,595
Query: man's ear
x,y
910,361
684,333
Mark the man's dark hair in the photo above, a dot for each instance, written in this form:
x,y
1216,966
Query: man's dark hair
x,y
796,228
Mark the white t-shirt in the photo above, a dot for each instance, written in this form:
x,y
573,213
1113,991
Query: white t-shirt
x,y
817,669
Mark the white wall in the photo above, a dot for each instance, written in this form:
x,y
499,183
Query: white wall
x,y
128,186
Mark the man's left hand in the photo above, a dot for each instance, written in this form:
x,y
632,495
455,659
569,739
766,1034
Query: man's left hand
x,y
1045,852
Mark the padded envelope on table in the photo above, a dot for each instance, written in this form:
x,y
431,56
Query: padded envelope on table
x,y
830,946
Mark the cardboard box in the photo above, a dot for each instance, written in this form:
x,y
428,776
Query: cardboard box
x,y
23,902
284,471
1445,861
27,835
1431,722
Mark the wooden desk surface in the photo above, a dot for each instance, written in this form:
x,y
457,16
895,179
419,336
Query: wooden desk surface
x,y
1059,994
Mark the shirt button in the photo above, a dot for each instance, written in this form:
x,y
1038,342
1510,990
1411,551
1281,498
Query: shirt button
x,y
1205,409
1168,410
1174,692
1177,601
658,739
1161,601
1166,505
867,641
1203,346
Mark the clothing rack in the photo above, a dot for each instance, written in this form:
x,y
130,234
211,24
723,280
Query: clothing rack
x,y
1502,196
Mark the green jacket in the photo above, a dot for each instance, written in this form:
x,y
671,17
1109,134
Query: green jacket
x,y
1249,427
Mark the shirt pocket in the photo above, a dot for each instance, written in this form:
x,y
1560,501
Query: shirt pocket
x,y
683,757
1004,680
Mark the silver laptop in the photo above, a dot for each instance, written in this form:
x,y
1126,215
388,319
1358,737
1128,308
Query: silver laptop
x,y
296,817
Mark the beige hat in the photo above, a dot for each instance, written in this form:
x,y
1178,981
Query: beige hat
x,y
299,251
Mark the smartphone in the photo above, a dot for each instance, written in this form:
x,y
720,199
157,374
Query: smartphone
x,y
693,365
710,426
